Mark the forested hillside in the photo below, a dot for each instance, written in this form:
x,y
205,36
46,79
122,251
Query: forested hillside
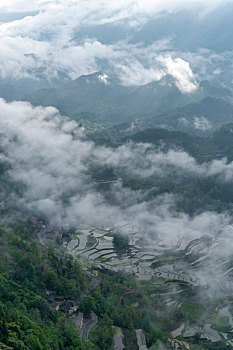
x,y
116,175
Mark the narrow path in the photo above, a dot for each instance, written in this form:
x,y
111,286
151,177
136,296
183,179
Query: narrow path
x,y
141,339
41,239
88,326
118,339
93,284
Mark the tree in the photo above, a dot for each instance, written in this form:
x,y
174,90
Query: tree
x,y
87,305
3,327
88,345
103,334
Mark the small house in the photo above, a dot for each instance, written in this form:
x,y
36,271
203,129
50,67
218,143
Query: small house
x,y
69,307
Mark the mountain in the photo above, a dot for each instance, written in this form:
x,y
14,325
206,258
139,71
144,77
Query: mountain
x,y
217,145
100,98
117,220
194,119
198,118
212,30
89,95
15,89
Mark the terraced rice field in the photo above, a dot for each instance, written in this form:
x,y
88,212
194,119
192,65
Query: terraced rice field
x,y
171,270
96,246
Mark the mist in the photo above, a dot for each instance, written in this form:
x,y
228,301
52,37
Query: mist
x,y
116,169
51,157
69,39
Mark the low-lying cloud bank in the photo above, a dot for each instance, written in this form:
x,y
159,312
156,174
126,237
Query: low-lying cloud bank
x,y
59,41
51,157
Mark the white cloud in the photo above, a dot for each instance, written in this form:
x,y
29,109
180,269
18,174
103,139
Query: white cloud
x,y
184,121
22,56
136,74
20,5
181,72
51,38
202,123
133,6
103,78
50,156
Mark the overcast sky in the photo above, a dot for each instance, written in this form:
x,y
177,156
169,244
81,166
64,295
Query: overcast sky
x,y
55,40
148,6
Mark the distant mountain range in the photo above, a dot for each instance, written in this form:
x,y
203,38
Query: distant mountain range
x,y
212,30
199,118
217,145
99,98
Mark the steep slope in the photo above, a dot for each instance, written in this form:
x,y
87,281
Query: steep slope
x,y
200,118
97,97
217,145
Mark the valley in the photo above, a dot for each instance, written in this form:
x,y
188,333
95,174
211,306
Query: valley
x,y
116,173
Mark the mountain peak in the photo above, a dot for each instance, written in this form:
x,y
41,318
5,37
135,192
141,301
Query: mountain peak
x,y
96,78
